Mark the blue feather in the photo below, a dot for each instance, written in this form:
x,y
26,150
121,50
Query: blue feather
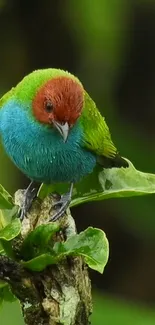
x,y
39,151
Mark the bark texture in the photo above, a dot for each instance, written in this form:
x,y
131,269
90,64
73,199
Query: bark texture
x,y
60,294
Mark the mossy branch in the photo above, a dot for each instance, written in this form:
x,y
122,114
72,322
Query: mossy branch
x,y
59,294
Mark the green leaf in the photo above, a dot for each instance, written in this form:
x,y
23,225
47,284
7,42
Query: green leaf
x,y
107,183
39,263
92,244
5,199
7,248
1,249
37,241
11,231
6,294
2,284
7,215
3,221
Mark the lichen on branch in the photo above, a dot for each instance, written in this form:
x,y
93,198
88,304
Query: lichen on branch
x,y
60,293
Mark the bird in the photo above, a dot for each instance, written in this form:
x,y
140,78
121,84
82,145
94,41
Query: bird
x,y
53,132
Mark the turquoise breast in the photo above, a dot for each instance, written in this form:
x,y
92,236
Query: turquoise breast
x,y
39,151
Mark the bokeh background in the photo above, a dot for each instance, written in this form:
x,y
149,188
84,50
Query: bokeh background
x,y
110,46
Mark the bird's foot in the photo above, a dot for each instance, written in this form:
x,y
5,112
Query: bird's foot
x,y
29,195
62,204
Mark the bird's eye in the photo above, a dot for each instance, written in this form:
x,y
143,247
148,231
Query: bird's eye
x,y
48,106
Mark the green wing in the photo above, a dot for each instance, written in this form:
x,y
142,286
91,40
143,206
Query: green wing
x,y
97,136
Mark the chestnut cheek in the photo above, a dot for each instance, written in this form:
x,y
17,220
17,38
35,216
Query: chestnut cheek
x,y
73,121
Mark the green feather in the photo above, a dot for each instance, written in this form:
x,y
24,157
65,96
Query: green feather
x,y
97,136
28,87
6,97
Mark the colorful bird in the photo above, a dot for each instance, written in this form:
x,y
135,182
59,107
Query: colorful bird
x,y
53,132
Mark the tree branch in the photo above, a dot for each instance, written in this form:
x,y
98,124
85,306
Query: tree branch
x,y
60,294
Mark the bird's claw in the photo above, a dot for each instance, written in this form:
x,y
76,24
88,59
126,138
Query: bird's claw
x,y
29,196
22,213
61,205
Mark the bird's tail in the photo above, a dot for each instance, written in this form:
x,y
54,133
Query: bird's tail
x,y
116,162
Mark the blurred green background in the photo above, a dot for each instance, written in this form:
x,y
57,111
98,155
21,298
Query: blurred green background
x,y
110,46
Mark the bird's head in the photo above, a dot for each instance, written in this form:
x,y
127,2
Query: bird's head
x,y
58,103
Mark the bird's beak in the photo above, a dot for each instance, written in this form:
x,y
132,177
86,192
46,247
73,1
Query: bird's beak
x,y
63,129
